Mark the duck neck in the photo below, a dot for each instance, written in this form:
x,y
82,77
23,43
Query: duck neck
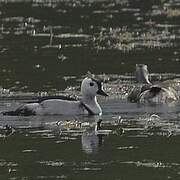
x,y
142,77
91,102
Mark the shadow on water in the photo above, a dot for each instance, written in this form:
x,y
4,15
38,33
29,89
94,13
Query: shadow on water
x,y
47,47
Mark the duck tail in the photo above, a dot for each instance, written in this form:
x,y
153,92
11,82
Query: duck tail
x,y
21,111
10,113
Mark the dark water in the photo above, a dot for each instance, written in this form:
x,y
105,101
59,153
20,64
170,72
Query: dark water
x,y
47,47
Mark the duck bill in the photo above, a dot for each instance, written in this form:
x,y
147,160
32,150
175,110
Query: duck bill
x,y
100,88
102,92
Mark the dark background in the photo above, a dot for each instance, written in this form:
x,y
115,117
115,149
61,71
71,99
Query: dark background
x,y
101,36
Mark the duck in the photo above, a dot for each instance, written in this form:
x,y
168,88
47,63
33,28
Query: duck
x,y
153,93
53,105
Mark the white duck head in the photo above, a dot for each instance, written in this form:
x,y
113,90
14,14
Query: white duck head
x,y
142,74
91,87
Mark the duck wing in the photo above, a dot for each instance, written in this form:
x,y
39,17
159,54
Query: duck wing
x,y
155,90
44,98
25,111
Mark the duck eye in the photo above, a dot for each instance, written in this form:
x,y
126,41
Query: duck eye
x,y
91,84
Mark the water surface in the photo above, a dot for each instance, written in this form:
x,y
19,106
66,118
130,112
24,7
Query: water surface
x,y
47,47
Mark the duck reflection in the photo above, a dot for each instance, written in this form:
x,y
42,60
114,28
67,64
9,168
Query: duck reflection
x,y
92,139
91,133
90,130
91,142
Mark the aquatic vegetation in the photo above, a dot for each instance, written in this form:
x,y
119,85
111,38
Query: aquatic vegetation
x,y
52,163
151,164
170,12
125,40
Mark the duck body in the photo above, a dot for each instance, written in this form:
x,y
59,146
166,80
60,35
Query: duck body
x,y
57,106
65,106
156,93
50,107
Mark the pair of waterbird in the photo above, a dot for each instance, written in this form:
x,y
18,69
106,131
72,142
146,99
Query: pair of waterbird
x,y
144,92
